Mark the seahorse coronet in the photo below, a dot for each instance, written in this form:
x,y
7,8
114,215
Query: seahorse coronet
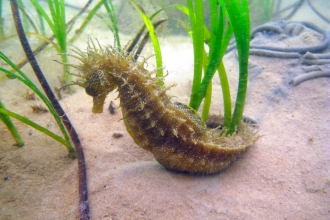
x,y
173,132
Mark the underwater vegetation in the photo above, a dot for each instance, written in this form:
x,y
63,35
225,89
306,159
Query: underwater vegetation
x,y
71,139
178,137
172,131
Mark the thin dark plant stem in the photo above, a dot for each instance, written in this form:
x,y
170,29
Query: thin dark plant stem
x,y
138,45
86,21
69,25
83,191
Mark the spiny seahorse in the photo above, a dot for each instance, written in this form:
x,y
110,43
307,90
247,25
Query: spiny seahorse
x,y
172,132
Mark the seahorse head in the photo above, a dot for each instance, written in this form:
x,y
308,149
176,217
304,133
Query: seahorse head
x,y
93,74
98,86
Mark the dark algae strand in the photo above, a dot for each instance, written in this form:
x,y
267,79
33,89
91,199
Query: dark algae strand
x,y
174,133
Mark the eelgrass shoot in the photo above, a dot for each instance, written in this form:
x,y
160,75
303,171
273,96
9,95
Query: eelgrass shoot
x,y
154,39
113,18
24,79
57,23
11,127
226,17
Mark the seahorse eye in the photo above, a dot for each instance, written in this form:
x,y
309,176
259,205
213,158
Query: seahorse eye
x,y
91,91
92,84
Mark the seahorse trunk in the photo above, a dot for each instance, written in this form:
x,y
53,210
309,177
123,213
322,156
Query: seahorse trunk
x,y
175,135
173,132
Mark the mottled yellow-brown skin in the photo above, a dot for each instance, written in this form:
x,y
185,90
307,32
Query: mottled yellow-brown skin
x,y
173,132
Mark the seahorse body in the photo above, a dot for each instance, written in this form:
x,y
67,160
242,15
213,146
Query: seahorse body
x,y
177,137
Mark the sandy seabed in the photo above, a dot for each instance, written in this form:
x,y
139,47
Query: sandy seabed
x,y
284,175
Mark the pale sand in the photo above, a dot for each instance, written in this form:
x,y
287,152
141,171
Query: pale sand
x,y
285,175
